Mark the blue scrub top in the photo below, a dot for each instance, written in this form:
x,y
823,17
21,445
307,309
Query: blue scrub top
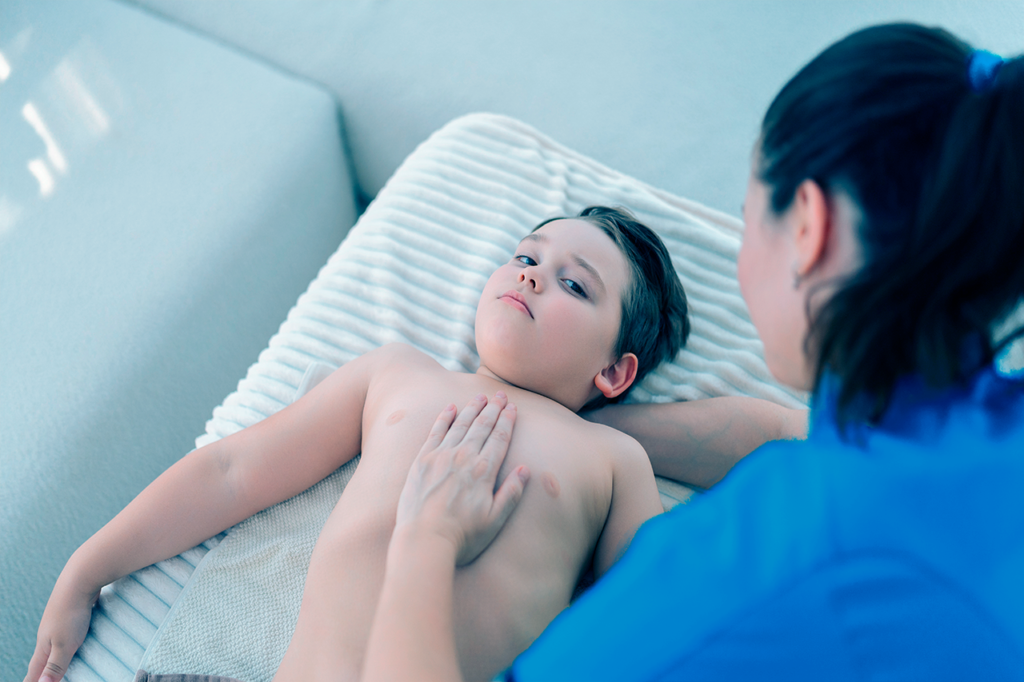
x,y
901,557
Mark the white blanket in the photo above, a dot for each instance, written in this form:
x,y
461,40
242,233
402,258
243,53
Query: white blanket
x,y
412,270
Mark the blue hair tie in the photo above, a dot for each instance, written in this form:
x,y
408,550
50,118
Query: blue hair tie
x,y
982,67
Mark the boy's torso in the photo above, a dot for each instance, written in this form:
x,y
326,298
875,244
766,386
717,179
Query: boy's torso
x,y
520,583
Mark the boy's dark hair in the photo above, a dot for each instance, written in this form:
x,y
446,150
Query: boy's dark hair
x,y
889,116
654,322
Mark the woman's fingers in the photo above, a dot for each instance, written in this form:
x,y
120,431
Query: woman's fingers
x,y
440,428
475,422
464,420
508,495
497,439
482,427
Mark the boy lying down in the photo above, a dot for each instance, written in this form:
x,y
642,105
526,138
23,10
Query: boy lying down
x,y
583,310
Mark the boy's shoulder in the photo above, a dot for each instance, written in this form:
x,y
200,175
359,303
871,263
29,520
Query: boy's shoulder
x,y
620,447
392,365
627,453
627,458
621,443
397,353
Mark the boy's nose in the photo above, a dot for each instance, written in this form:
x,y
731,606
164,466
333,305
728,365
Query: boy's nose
x,y
528,276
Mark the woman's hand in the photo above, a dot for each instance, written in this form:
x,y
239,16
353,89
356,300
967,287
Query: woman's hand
x,y
62,630
450,489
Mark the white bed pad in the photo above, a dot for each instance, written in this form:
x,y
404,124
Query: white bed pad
x,y
410,270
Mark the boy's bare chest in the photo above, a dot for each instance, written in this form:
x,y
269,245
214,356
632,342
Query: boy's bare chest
x,y
554,443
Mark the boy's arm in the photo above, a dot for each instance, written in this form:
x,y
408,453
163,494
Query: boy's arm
x,y
699,441
634,500
205,492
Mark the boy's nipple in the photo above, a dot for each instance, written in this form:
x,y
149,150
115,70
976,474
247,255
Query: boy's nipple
x,y
395,417
551,484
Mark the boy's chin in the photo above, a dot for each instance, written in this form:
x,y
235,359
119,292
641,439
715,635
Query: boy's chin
x,y
501,351
510,372
514,364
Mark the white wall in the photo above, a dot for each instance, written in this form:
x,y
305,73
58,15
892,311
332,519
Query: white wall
x,y
669,91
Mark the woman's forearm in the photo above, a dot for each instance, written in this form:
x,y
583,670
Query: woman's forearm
x,y
412,637
699,441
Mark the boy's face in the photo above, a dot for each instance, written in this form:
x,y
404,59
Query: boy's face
x,y
548,320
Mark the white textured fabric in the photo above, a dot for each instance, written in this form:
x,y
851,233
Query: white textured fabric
x,y
412,270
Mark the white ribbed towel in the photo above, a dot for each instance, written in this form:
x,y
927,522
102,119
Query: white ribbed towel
x,y
412,270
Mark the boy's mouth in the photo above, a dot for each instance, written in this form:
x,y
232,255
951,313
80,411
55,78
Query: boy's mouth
x,y
516,300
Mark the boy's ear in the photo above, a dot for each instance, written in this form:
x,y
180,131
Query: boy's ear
x,y
615,379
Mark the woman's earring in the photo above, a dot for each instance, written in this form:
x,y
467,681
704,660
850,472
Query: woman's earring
x,y
797,280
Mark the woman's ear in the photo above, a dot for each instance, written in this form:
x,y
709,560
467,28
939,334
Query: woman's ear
x,y
812,223
615,379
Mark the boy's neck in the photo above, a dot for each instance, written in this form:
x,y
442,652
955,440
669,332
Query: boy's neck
x,y
483,370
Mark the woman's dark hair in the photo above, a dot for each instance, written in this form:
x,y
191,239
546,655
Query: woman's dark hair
x,y
936,166
654,323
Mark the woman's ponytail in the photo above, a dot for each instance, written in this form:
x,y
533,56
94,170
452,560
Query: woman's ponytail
x,y
973,207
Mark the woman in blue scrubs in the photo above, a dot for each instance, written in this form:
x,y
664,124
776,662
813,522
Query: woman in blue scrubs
x,y
884,243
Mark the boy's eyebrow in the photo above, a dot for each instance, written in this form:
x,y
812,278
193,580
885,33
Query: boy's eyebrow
x,y
537,237
590,268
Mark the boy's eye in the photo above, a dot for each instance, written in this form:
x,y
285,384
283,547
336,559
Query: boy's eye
x,y
525,260
575,287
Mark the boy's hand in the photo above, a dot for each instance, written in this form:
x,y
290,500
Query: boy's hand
x,y
450,488
62,630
